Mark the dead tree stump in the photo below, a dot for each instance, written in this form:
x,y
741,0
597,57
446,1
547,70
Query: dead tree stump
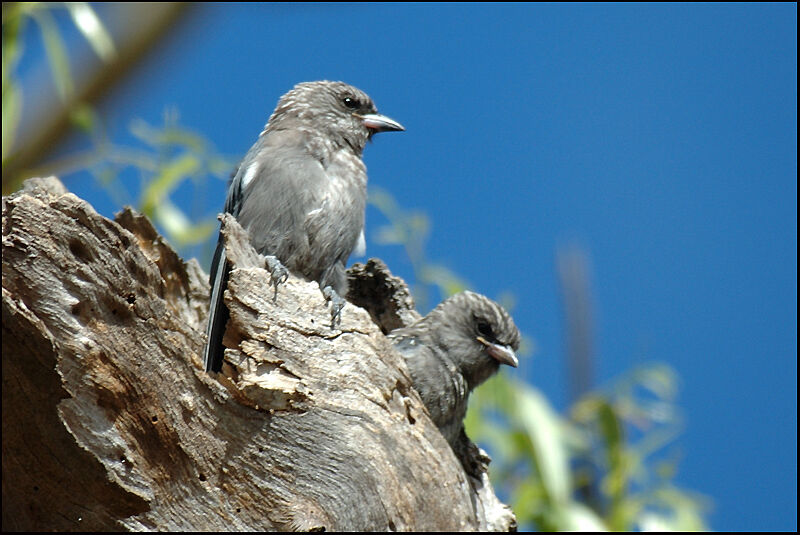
x,y
110,423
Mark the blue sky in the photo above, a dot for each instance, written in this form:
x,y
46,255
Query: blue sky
x,y
662,138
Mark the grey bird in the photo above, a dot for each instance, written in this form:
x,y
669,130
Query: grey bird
x,y
301,192
456,347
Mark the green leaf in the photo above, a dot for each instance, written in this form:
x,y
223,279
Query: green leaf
x,y
56,53
168,136
444,278
534,414
659,379
677,511
168,179
12,104
84,117
87,21
389,235
575,516
179,227
13,23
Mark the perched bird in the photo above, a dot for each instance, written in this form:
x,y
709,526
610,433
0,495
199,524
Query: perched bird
x,y
300,192
456,347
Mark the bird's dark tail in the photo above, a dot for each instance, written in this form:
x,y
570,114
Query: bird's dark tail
x,y
218,313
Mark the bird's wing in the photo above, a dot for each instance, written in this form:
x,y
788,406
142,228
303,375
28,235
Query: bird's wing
x,y
218,313
276,187
269,195
439,386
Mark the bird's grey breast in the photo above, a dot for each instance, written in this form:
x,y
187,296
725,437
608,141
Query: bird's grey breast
x,y
336,220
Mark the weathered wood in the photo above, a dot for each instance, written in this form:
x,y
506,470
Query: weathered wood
x,y
384,296
109,422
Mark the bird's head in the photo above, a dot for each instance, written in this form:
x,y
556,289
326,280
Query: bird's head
x,y
476,333
343,113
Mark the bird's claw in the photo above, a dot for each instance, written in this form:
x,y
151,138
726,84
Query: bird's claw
x,y
473,458
482,459
337,304
278,274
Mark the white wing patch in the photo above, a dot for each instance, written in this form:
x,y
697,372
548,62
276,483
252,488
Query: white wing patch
x,y
249,175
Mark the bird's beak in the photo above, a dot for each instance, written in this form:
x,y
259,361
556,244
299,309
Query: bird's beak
x,y
502,354
380,123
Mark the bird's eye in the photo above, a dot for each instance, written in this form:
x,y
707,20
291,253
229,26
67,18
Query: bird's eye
x,y
350,102
485,330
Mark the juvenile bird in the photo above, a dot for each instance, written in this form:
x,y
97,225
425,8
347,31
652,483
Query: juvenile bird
x,y
300,192
449,352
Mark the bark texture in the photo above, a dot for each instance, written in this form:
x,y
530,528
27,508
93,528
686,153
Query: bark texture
x,y
110,423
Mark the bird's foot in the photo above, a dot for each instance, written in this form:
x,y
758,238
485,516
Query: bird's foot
x,y
474,460
337,304
278,274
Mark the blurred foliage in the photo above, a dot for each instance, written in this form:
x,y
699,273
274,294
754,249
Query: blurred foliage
x,y
168,157
171,157
16,16
601,466
596,468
